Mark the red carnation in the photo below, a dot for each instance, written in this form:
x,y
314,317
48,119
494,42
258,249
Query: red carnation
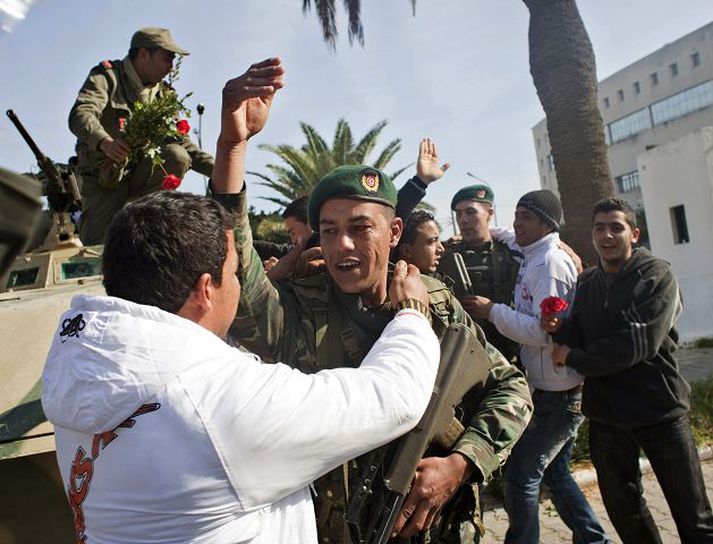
x,y
553,305
171,182
122,123
182,126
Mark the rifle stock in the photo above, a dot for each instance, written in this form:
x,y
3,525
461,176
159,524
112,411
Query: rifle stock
x,y
388,472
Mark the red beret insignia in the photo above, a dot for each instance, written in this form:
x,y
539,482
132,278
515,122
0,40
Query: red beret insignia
x,y
480,193
370,182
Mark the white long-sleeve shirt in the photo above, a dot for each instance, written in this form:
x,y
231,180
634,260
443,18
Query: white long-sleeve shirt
x,y
165,434
545,271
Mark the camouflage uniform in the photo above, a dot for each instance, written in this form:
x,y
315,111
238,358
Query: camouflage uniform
x,y
107,95
289,323
493,270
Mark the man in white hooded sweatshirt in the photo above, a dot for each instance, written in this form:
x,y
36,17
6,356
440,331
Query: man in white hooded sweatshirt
x,y
544,451
165,433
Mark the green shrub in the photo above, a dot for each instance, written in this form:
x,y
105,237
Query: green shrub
x,y
703,343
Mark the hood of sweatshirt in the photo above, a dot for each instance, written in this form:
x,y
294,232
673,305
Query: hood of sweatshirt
x,y
109,356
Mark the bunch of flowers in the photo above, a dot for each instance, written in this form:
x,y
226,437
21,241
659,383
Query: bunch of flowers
x,y
152,124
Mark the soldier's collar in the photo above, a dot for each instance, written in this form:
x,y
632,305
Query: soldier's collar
x,y
143,92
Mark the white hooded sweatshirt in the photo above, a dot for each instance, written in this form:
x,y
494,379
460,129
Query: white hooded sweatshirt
x,y
546,271
166,434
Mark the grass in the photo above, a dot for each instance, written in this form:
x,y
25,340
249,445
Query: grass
x,y
701,343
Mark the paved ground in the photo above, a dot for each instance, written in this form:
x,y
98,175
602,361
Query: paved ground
x,y
696,364
553,531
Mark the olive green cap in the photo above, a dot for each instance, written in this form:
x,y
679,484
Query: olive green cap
x,y
359,182
152,36
478,193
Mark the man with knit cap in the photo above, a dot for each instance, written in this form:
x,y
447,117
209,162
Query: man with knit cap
x,y
104,103
492,266
544,451
330,320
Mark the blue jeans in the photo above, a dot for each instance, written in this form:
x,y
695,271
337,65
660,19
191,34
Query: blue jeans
x,y
542,455
674,459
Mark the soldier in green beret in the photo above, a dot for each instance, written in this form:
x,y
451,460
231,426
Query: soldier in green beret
x,y
492,266
108,96
332,319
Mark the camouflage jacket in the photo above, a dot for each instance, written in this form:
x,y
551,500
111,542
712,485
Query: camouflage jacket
x,y
288,323
106,96
492,269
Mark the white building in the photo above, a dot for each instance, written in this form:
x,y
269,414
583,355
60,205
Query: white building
x,y
655,114
657,99
677,183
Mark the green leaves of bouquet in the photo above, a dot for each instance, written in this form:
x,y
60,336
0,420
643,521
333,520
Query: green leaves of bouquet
x,y
152,124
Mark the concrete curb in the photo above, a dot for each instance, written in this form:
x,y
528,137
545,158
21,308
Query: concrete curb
x,y
588,476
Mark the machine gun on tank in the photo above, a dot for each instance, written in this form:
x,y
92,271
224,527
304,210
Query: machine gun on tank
x,y
61,189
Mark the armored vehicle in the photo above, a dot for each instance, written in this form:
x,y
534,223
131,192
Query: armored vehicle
x,y
35,289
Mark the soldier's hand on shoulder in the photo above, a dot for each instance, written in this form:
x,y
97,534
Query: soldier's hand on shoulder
x,y
406,283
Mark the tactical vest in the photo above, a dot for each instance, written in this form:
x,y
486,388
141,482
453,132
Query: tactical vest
x,y
493,270
343,336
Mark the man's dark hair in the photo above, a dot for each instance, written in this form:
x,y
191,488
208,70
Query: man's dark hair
x,y
607,205
134,51
297,209
158,246
416,219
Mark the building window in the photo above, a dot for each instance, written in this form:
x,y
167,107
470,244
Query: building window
x,y
628,182
696,59
674,69
683,103
551,162
654,79
620,94
538,143
606,101
629,126
679,225
637,87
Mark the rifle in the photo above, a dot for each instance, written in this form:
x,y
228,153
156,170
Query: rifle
x,y
387,472
61,186
455,274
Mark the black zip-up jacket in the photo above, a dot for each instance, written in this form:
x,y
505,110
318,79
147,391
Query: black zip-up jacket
x,y
622,337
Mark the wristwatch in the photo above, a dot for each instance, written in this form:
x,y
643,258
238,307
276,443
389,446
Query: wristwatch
x,y
414,304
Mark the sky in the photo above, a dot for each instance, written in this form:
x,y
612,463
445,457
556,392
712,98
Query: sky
x,y
457,72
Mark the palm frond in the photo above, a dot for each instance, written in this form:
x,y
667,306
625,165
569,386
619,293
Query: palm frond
x,y
356,30
327,15
387,154
367,143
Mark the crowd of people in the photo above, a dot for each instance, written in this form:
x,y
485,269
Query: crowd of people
x,y
166,432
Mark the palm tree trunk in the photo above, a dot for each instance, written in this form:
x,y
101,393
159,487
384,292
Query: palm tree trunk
x,y
564,72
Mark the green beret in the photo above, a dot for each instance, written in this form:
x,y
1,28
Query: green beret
x,y
479,193
359,182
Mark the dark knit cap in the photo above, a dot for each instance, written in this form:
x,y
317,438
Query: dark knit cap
x,y
359,182
478,193
545,205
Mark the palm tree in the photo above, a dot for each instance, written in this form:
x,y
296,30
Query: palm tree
x,y
306,165
564,73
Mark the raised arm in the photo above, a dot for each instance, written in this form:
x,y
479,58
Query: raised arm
x,y
246,106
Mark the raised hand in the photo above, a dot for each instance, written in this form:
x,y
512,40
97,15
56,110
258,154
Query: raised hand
x,y
247,100
427,168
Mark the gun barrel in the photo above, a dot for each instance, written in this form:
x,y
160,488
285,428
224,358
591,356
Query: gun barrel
x,y
26,135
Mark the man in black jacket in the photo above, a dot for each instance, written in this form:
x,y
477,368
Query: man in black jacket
x,y
621,337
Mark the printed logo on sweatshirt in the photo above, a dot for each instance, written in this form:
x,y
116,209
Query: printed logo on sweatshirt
x,y
71,327
82,469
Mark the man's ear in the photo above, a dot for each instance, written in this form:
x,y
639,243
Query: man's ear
x,y
396,229
635,235
199,300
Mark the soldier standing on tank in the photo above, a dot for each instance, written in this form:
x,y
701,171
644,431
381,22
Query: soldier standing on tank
x,y
330,320
492,267
106,98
